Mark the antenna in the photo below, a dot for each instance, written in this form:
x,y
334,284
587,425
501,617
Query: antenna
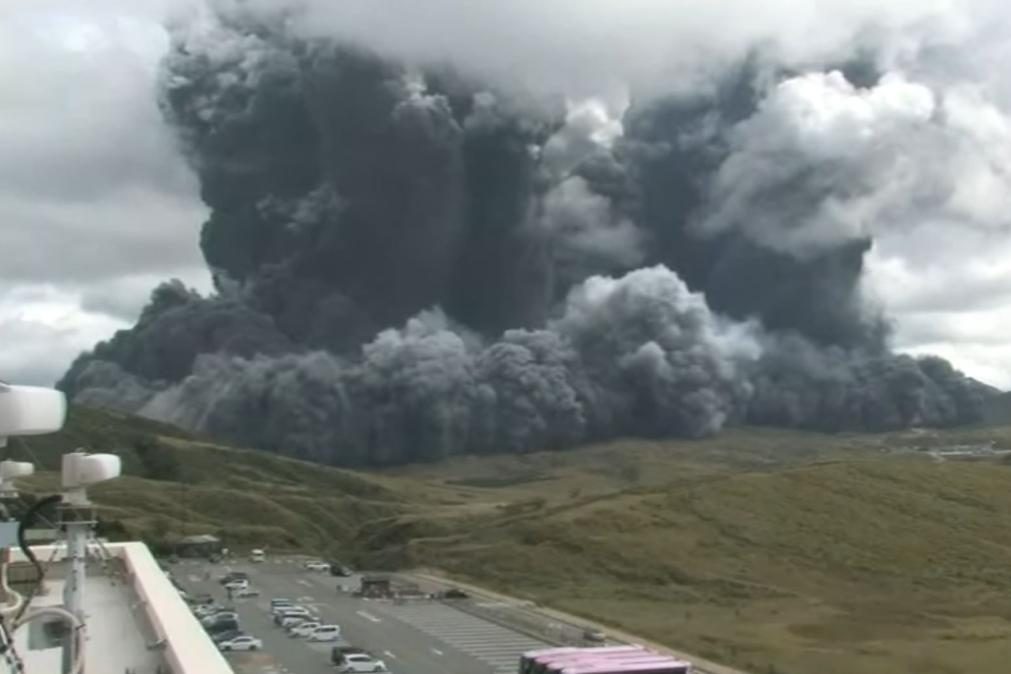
x,y
24,410
30,410
77,517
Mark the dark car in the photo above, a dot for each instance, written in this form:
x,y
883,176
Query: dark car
x,y
337,653
455,593
222,626
233,575
226,635
338,569
201,599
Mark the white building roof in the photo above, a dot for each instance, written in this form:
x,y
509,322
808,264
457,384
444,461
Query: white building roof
x,y
141,623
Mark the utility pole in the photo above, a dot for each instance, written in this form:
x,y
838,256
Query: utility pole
x,y
77,532
77,518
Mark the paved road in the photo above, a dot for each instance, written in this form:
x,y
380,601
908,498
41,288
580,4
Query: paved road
x,y
413,638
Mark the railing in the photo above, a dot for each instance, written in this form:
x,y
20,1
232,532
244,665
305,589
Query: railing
x,y
185,646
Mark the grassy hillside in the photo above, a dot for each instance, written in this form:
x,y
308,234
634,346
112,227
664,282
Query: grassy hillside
x,y
785,552
175,484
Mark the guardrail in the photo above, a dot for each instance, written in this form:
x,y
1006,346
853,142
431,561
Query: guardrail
x,y
187,648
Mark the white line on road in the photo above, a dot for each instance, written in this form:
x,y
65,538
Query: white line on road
x,y
368,616
437,651
389,654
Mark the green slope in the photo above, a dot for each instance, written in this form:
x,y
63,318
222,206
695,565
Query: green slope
x,y
175,484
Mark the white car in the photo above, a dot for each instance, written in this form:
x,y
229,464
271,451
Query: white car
x,y
325,633
303,629
247,592
293,619
361,662
317,566
257,555
238,584
241,643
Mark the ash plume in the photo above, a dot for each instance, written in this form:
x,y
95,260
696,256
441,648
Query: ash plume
x,y
413,262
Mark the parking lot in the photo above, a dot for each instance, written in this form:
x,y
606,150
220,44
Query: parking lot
x,y
416,637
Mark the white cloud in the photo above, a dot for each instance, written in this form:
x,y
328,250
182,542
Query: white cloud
x,y
589,46
949,293
96,204
44,328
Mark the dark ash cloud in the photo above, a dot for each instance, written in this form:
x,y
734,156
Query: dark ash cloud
x,y
411,262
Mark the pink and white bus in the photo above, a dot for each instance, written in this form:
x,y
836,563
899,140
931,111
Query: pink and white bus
x,y
660,666
642,657
541,661
645,658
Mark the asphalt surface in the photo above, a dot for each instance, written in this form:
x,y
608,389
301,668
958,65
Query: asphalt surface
x,y
417,637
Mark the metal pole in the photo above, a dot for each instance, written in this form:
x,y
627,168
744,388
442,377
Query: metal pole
x,y
73,590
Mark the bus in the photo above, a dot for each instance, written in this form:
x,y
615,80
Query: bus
x,y
557,663
660,666
539,661
611,661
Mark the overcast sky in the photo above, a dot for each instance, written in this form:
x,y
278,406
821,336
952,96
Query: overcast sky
x,y
97,206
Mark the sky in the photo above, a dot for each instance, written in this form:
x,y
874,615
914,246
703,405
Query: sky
x,y
97,205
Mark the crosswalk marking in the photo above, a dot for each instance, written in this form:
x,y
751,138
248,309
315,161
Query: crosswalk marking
x,y
496,646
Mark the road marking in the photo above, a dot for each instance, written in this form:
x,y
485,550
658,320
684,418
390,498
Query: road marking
x,y
437,651
368,616
389,655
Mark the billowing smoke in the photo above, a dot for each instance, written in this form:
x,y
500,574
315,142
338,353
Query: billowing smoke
x,y
412,263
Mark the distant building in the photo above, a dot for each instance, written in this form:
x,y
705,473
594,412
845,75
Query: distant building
x,y
203,545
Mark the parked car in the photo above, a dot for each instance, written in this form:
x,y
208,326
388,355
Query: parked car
x,y
222,626
257,555
338,569
218,617
361,662
227,635
316,565
241,643
233,575
325,633
292,616
207,609
247,591
292,620
455,593
338,653
303,629
237,584
282,611
203,599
